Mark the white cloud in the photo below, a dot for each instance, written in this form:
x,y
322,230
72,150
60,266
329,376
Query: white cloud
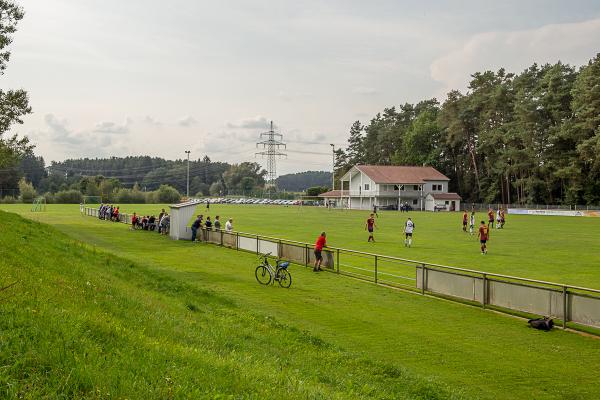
x,y
112,127
573,43
257,122
187,122
151,121
99,141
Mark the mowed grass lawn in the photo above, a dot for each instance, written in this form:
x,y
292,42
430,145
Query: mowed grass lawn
x,y
557,249
460,350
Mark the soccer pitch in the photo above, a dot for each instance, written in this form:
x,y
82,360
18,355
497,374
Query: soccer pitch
x,y
557,249
472,352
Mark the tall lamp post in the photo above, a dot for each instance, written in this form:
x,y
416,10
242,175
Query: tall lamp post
x,y
332,166
187,190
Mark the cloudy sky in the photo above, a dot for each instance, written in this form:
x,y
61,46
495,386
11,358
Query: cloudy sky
x,y
154,77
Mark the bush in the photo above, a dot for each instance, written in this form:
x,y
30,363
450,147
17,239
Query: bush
x,y
68,197
8,200
129,196
150,198
167,194
49,197
316,190
27,191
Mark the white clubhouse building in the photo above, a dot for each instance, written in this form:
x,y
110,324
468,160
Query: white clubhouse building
x,y
422,188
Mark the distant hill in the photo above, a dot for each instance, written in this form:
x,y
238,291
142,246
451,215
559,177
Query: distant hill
x,y
300,181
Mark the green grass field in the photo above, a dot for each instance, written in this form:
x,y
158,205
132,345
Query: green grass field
x,y
146,317
558,249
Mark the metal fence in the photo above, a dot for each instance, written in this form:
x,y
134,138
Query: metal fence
x,y
502,292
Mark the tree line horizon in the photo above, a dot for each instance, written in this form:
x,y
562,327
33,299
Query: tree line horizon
x,y
528,138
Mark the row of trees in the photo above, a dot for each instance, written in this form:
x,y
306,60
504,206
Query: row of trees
x,y
532,137
116,194
119,179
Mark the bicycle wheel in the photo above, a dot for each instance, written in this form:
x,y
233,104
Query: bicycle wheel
x,y
262,275
285,278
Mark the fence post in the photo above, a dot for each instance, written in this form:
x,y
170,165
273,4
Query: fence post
x,y
237,241
306,255
257,243
484,291
337,262
220,231
565,311
423,267
375,269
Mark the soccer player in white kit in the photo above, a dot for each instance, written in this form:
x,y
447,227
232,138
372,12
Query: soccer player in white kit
x,y
498,219
472,223
409,227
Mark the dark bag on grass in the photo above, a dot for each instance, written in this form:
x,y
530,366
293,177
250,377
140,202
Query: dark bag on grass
x,y
544,324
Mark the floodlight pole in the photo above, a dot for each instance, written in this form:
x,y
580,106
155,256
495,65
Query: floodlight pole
x,y
187,191
332,166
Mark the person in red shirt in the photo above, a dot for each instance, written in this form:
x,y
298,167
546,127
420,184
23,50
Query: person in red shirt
x,y
320,243
134,221
484,236
465,218
491,218
370,226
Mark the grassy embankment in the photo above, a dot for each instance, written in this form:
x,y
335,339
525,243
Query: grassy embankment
x,y
462,349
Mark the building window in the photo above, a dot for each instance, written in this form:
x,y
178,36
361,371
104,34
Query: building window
x,y
415,201
398,187
447,202
366,186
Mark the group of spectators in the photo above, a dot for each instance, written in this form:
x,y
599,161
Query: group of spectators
x,y
108,212
161,224
199,222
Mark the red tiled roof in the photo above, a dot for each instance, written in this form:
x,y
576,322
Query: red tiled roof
x,y
446,196
401,174
334,193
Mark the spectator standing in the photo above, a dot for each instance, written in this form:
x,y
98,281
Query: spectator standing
x,y
217,223
319,244
229,225
208,224
160,217
195,226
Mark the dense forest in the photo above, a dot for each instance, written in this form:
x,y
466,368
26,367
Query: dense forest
x,y
532,137
301,181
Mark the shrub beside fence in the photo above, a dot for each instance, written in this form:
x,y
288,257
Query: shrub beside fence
x,y
502,292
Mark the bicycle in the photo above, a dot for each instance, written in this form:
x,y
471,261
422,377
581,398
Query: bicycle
x,y
265,273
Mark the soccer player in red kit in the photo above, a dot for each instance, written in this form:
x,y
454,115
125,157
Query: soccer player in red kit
x,y
370,226
465,219
484,236
491,218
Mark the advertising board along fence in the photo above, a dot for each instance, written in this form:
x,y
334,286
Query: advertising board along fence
x,y
502,292
534,209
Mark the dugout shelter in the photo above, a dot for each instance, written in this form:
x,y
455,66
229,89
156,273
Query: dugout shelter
x,y
181,214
